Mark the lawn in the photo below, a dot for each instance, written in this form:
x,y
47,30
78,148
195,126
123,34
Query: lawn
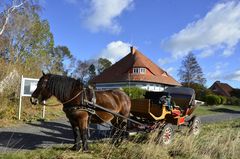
x,y
30,113
220,140
208,110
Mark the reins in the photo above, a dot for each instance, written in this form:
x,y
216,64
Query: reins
x,y
52,105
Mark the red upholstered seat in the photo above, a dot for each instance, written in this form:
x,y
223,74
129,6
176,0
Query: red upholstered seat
x,y
176,112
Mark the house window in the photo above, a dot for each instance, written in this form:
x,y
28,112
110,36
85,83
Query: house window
x,y
142,70
135,70
139,70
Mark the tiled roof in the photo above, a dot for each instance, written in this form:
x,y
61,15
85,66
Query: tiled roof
x,y
121,71
221,88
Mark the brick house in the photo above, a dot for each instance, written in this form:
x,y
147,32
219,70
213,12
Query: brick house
x,y
222,89
134,70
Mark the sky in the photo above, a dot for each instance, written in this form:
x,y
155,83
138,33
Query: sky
x,y
163,30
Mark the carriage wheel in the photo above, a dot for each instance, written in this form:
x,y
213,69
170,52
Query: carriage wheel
x,y
166,134
195,126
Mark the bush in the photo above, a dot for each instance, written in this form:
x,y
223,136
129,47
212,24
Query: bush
x,y
223,99
235,93
200,90
213,100
233,101
134,92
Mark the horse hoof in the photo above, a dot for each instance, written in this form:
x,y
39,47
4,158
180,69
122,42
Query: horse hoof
x,y
86,151
75,148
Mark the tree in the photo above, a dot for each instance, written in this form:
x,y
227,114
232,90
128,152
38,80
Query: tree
x,y
200,90
21,33
7,14
92,71
190,72
103,64
235,93
81,71
58,55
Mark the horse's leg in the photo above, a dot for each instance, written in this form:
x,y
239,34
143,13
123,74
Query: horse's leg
x,y
119,129
83,129
76,135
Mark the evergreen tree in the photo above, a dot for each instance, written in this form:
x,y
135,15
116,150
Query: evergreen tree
x,y
190,71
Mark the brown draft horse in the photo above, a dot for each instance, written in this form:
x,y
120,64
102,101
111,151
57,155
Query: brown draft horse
x,y
70,93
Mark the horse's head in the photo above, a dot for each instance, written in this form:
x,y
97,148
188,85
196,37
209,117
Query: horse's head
x,y
41,93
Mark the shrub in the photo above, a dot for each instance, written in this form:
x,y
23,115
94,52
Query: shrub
x,y
213,100
223,99
236,93
134,92
200,90
233,101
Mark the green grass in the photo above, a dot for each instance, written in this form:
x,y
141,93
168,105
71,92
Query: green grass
x,y
220,140
30,113
208,110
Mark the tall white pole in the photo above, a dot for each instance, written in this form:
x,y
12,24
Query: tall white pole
x,y
20,99
44,109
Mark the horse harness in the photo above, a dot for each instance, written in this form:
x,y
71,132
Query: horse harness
x,y
84,106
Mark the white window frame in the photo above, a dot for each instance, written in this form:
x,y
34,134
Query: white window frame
x,y
142,70
135,70
139,70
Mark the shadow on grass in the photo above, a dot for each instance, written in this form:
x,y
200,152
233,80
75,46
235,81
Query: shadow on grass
x,y
38,135
225,110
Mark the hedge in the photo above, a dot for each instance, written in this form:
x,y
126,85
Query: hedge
x,y
213,100
134,92
223,99
233,101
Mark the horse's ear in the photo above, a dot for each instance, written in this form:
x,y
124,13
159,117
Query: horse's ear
x,y
43,73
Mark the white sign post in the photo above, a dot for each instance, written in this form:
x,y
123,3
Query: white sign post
x,y
28,85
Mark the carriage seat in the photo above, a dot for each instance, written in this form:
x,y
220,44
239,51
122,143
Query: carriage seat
x,y
176,112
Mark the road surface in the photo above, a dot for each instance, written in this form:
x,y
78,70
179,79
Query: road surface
x,y
46,134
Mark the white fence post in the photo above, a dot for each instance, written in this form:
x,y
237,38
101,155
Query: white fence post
x,y
20,100
44,109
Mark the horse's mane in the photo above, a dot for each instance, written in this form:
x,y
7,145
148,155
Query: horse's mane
x,y
62,86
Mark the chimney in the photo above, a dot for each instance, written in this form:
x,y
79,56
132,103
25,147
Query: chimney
x,y
217,81
132,49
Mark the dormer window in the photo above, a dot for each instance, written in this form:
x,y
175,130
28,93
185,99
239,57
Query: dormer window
x,y
164,74
139,70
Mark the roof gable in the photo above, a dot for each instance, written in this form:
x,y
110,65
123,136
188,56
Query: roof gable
x,y
119,72
221,88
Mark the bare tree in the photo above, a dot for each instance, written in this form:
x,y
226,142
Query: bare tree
x,y
8,13
190,72
81,71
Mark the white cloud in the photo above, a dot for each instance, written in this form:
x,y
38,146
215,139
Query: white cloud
x,y
234,76
221,65
115,51
219,29
163,61
170,70
103,14
219,72
216,75
206,53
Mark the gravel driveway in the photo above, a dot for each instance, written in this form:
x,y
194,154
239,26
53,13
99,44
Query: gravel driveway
x,y
45,134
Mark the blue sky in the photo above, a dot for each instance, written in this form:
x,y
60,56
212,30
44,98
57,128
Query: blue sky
x,y
164,30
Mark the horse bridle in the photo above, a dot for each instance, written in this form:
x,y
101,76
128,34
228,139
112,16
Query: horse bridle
x,y
44,86
79,93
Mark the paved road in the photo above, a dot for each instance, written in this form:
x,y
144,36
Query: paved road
x,y
45,134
